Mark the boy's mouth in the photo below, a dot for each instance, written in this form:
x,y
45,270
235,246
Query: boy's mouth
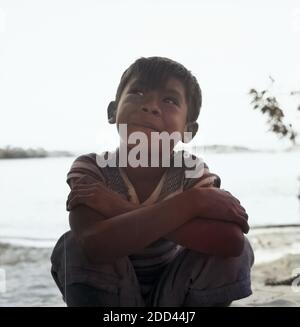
x,y
146,125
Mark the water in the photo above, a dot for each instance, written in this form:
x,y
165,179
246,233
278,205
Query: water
x,y
33,192
32,200
267,184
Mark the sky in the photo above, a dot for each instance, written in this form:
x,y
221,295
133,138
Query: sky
x,y
61,62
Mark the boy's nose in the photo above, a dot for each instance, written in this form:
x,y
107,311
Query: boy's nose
x,y
151,105
154,111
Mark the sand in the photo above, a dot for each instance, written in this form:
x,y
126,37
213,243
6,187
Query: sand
x,y
277,254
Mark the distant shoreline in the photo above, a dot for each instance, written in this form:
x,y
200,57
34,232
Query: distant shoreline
x,y
219,148
10,152
20,153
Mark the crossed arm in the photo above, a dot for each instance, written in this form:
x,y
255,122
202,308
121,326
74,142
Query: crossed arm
x,y
98,216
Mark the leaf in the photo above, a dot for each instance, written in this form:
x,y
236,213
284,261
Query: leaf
x,y
264,109
252,91
271,78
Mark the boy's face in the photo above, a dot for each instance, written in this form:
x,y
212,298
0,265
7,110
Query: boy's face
x,y
153,110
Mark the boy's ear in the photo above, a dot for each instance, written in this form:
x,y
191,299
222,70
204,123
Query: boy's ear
x,y
191,127
111,112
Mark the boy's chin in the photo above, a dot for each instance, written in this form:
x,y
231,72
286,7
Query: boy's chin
x,y
157,152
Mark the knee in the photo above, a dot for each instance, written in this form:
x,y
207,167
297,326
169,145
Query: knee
x,y
224,269
109,284
109,275
248,253
238,264
238,268
68,259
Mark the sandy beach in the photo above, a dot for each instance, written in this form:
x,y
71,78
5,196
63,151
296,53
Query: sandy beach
x,y
277,254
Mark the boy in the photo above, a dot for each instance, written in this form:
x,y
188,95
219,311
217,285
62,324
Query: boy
x,y
151,235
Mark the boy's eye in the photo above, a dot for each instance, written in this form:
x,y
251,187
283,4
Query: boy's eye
x,y
171,100
137,92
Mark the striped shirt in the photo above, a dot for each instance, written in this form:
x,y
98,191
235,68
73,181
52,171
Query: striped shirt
x,y
151,261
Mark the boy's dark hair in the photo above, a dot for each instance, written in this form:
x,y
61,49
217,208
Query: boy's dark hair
x,y
156,71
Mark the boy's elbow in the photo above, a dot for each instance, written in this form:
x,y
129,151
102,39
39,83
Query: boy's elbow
x,y
85,235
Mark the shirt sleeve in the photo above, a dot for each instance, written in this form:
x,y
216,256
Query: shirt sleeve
x,y
85,169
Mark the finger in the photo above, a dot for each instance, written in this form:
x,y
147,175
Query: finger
x,y
242,222
240,219
246,228
79,195
72,203
72,195
241,209
244,212
100,188
76,200
237,200
245,225
244,215
86,179
79,185
205,181
93,188
207,185
82,192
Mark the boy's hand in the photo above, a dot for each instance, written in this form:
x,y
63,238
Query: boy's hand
x,y
99,198
218,204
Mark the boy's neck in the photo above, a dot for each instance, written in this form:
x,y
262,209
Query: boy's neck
x,y
144,174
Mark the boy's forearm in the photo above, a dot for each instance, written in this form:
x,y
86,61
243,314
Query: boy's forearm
x,y
211,237
214,237
130,232
204,235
